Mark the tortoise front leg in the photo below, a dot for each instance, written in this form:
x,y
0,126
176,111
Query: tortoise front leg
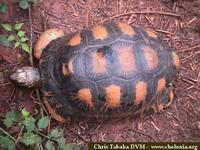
x,y
45,38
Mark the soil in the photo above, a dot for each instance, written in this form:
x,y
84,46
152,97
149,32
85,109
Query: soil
x,y
176,21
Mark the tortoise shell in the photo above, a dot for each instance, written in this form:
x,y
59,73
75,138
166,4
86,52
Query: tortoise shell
x,y
107,71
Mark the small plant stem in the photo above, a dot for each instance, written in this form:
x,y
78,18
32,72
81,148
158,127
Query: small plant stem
x,y
31,37
31,56
19,135
40,101
39,146
8,134
45,136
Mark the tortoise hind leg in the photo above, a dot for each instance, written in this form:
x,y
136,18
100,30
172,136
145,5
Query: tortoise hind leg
x,y
53,113
163,101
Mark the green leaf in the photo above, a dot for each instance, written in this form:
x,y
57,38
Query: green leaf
x,y
24,39
25,47
17,44
4,41
10,118
43,122
63,146
11,38
7,26
24,4
21,33
67,147
49,145
61,142
56,133
3,7
25,113
29,123
6,143
29,138
18,26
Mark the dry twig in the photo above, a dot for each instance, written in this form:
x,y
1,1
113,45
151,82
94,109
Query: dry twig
x,y
49,13
143,133
80,137
187,49
190,57
166,32
147,12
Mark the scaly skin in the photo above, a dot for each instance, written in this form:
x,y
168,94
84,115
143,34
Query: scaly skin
x,y
26,76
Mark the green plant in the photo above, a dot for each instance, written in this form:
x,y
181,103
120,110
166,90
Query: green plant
x,y
3,7
33,132
24,4
16,36
4,41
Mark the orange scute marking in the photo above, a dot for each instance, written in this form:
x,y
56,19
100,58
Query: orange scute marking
x,y
100,32
65,70
75,40
113,96
176,59
126,29
99,63
141,92
126,59
161,85
85,96
151,57
70,66
152,34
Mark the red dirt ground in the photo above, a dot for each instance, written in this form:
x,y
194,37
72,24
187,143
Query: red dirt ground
x,y
176,21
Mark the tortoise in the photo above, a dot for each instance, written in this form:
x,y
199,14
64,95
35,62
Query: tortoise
x,y
112,70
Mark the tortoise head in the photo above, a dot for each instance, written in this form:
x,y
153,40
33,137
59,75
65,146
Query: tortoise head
x,y
26,76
